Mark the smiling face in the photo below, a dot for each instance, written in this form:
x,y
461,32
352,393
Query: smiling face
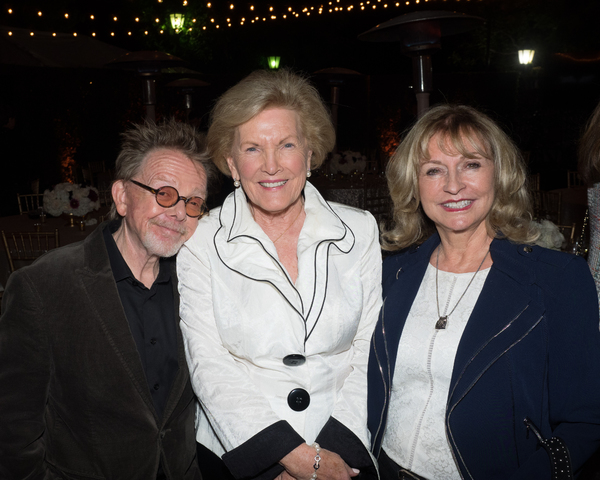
x,y
152,230
270,159
457,193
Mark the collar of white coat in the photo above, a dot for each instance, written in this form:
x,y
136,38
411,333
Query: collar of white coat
x,y
322,224
244,248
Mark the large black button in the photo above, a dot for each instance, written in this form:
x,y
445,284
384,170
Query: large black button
x,y
294,360
298,399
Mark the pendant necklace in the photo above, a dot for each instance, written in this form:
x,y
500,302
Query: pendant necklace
x,y
443,320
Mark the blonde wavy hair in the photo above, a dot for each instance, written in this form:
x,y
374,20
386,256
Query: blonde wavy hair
x,y
467,132
268,89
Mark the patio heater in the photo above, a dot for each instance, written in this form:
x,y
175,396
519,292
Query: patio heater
x,y
148,64
419,35
187,86
335,77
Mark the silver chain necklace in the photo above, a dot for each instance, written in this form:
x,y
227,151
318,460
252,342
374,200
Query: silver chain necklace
x,y
443,320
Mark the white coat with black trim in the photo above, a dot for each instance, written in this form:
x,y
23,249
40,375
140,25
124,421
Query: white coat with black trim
x,y
241,315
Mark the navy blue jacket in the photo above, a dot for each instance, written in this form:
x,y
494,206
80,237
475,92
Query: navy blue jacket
x,y
531,348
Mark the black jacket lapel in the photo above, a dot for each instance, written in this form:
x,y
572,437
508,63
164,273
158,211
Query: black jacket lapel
x,y
105,305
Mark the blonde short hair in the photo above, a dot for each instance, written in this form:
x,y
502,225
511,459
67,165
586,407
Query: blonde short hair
x,y
470,133
267,89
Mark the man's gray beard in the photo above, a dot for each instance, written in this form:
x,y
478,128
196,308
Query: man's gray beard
x,y
161,248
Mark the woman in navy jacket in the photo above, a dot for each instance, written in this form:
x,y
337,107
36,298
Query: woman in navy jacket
x,y
483,337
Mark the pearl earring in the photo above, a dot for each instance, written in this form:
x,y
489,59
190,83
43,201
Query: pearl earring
x,y
308,174
236,183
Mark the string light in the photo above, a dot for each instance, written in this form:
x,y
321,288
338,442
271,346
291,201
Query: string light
x,y
269,12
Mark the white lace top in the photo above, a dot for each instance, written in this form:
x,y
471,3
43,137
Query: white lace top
x,y
415,435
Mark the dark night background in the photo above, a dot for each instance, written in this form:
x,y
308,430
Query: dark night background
x,y
75,115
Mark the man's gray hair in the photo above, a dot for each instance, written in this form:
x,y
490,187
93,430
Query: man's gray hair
x,y
143,139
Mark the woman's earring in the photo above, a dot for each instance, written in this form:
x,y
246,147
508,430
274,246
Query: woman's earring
x,y
236,183
308,173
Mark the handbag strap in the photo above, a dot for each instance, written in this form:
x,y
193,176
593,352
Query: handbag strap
x,y
560,459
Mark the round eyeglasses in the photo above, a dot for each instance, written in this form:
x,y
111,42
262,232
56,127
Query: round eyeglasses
x,y
167,197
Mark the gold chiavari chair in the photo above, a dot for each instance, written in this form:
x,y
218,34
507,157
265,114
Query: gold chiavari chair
x,y
547,205
568,232
27,246
30,202
573,179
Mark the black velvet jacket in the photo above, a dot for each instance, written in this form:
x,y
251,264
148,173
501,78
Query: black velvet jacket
x,y
74,400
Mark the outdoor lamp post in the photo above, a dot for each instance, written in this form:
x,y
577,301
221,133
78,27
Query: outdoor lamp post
x,y
177,20
273,62
419,34
526,57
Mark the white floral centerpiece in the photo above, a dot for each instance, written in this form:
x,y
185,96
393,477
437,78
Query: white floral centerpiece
x,y
347,162
550,236
72,199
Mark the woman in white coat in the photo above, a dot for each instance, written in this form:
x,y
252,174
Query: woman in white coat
x,y
280,292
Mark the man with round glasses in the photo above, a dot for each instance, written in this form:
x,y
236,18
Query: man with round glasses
x,y
93,372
